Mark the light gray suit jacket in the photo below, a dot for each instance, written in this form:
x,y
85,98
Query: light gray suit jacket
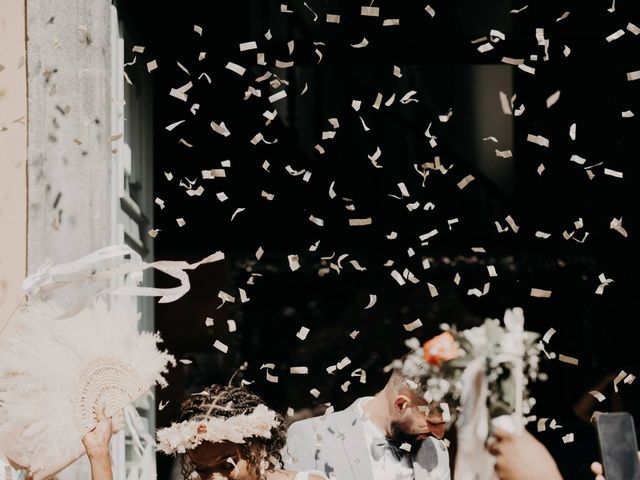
x,y
335,444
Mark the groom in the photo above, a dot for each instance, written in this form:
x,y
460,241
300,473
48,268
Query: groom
x,y
363,441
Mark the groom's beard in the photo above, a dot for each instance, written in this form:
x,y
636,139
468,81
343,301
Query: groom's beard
x,y
399,435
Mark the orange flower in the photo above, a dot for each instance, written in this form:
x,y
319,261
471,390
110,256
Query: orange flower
x,y
440,348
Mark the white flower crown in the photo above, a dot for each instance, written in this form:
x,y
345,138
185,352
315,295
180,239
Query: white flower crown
x,y
183,436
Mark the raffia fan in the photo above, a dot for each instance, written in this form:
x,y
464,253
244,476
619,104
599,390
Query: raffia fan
x,y
56,372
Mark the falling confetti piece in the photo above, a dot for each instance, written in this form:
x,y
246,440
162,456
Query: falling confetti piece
x,y
221,346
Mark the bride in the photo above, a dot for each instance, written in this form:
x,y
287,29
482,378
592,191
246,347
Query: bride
x,y
223,433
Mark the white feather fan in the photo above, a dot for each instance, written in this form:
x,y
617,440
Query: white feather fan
x,y
56,372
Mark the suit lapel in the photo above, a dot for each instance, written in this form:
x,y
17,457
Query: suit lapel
x,y
349,428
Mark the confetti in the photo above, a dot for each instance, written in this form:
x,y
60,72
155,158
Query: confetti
x,y
512,61
208,322
153,233
563,16
538,140
294,263
333,18
363,43
234,67
369,11
407,97
220,128
430,11
181,222
519,10
372,301
433,291
615,35
465,181
299,370
397,277
604,281
504,153
618,379
237,211
572,131
302,333
613,173
568,438
485,47
248,46
152,65
174,125
553,98
221,346
197,29
504,102
526,68
232,325
633,29
391,22
315,392
616,224
159,202
567,359
547,336
278,96
409,327
539,293
359,222
631,76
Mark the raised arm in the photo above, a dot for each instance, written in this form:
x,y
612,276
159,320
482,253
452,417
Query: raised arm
x,y
96,443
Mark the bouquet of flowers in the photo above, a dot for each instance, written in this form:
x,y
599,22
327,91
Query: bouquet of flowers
x,y
505,354
485,370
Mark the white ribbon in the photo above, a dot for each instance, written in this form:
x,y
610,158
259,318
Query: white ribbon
x,y
109,262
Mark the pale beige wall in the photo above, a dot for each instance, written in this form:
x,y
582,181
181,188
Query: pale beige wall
x,y
13,154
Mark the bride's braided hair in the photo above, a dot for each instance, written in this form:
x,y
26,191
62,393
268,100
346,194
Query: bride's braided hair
x,y
226,402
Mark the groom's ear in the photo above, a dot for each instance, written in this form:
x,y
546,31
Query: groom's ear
x,y
401,403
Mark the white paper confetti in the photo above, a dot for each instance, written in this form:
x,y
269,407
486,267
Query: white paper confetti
x,y
221,346
409,327
538,140
615,35
302,333
567,359
540,293
553,98
635,75
465,181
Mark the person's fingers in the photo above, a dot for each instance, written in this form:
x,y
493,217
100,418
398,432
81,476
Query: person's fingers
x,y
600,477
117,421
100,415
596,468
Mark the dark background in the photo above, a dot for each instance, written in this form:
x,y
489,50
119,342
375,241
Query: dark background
x,y
439,61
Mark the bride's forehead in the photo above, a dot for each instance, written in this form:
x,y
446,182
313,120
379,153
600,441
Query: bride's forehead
x,y
208,452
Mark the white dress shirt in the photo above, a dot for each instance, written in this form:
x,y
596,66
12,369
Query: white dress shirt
x,y
387,467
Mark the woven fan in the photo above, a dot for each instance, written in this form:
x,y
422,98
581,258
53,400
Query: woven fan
x,y
56,373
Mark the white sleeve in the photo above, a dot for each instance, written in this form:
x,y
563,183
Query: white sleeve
x,y
299,452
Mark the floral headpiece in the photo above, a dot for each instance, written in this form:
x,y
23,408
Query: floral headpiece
x,y
186,435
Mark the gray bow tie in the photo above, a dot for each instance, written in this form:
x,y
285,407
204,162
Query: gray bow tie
x,y
378,445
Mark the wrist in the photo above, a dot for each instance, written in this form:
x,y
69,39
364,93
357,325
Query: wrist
x,y
99,453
